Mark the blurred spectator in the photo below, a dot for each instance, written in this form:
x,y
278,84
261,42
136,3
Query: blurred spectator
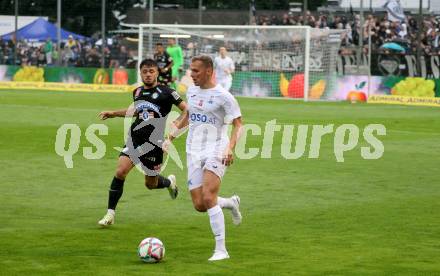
x,y
2,51
93,58
114,56
70,42
9,55
123,56
55,54
48,49
286,20
434,41
106,56
67,55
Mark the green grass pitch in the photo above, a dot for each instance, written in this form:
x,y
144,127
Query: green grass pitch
x,y
301,217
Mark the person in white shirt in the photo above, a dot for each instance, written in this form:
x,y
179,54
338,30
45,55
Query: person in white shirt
x,y
224,67
209,150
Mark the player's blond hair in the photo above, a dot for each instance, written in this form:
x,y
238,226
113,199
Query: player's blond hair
x,y
205,60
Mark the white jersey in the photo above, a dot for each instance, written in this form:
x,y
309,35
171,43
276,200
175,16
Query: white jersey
x,y
210,113
222,64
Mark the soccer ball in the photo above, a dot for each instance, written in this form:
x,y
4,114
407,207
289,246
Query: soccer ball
x,y
151,250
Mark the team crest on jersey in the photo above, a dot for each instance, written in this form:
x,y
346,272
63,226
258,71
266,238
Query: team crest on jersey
x,y
155,95
146,115
200,103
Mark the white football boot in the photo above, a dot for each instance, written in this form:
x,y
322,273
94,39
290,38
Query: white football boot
x,y
236,215
107,220
219,255
173,189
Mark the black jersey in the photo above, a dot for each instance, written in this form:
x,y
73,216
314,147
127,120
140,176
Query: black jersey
x,y
163,60
152,107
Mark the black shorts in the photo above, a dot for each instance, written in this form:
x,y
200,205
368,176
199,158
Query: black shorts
x,y
151,161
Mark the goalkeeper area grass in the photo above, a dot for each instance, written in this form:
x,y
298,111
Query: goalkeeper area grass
x,y
303,216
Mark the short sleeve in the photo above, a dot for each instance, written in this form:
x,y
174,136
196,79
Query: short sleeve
x,y
175,97
232,109
137,92
189,92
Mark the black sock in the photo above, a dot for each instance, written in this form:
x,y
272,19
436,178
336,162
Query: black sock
x,y
115,192
163,182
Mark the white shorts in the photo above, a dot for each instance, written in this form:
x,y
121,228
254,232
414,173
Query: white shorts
x,y
197,167
226,83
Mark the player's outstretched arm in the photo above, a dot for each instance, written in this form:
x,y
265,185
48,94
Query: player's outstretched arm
x,y
178,126
181,122
128,112
228,156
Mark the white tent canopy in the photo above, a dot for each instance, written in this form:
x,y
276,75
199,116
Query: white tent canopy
x,y
7,22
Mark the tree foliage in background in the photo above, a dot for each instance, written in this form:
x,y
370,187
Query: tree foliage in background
x,y
84,16
80,16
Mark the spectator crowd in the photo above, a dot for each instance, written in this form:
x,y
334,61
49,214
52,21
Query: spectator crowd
x,y
381,30
74,53
78,53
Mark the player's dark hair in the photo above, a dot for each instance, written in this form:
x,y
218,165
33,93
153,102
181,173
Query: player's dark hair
x,y
206,60
149,63
159,44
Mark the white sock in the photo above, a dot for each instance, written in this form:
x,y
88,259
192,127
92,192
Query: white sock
x,y
111,211
225,202
217,221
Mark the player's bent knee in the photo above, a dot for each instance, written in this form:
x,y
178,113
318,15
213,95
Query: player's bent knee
x,y
209,200
200,207
151,184
121,173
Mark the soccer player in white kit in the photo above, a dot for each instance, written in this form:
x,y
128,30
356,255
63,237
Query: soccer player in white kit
x,y
209,150
224,67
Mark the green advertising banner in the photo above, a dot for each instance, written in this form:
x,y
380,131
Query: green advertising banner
x,y
118,76
245,83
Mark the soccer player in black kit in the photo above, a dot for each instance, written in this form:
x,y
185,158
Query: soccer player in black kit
x,y
152,103
165,64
